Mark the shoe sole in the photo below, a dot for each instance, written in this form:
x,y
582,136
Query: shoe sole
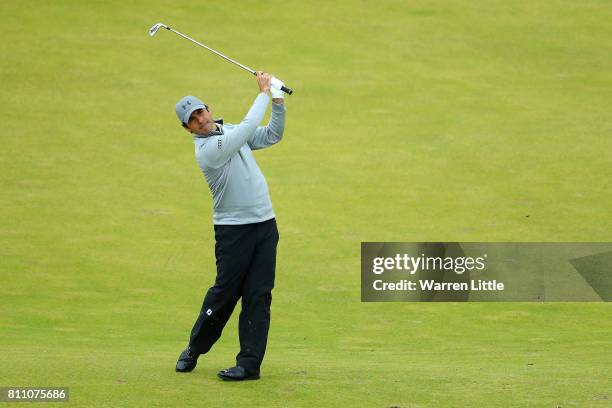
x,y
252,377
185,370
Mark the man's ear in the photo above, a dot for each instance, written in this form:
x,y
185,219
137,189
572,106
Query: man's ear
x,y
185,127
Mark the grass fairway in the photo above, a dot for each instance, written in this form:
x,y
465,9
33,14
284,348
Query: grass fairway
x,y
410,121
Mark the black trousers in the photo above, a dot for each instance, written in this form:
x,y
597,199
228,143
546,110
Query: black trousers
x,y
246,263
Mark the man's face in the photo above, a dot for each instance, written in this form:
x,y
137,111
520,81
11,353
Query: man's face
x,y
201,122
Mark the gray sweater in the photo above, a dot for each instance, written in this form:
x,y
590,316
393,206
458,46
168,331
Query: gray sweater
x,y
239,189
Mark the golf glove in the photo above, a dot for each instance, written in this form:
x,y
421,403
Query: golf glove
x,y
275,88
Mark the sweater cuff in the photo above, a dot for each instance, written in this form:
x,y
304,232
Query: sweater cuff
x,y
280,107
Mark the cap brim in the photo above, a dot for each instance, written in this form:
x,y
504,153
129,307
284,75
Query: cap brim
x,y
190,111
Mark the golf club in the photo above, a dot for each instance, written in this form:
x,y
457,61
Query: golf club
x,y
153,31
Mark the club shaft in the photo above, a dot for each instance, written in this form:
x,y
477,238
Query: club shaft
x,y
213,51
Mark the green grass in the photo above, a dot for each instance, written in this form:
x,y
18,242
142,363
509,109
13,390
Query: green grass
x,y
411,121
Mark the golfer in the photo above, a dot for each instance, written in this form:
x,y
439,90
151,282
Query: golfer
x,y
245,228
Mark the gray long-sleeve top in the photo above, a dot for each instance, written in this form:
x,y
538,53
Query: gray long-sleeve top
x,y
239,189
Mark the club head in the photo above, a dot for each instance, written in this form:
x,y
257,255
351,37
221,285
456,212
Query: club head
x,y
153,30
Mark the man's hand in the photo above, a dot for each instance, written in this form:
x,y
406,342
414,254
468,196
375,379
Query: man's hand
x,y
275,89
263,80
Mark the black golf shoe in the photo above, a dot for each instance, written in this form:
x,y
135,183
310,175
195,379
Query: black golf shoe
x,y
187,361
237,373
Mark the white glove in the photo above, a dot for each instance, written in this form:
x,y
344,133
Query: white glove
x,y
275,88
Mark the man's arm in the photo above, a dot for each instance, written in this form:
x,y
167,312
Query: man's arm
x,y
221,148
272,133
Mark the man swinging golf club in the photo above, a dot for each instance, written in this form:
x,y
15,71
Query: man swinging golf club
x,y
245,228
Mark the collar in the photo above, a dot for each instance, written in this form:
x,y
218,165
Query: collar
x,y
217,132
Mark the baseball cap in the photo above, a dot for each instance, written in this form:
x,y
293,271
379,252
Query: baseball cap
x,y
185,107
